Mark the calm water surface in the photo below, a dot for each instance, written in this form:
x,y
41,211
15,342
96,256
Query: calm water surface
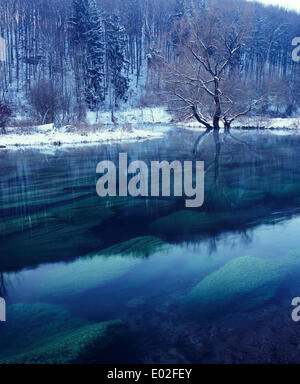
x,y
168,284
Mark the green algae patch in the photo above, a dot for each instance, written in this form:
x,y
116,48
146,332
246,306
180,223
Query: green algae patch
x,y
10,226
87,213
240,285
142,246
122,203
70,347
51,241
186,222
284,191
47,334
192,222
225,198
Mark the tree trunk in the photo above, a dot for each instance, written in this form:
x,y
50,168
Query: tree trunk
x,y
226,126
217,115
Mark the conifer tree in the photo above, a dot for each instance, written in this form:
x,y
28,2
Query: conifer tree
x,y
88,35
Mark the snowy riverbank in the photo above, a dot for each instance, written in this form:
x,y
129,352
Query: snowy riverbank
x,y
98,130
268,123
257,122
160,115
48,135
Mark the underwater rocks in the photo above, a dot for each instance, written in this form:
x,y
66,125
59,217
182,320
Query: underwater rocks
x,y
240,285
89,272
69,347
284,192
87,214
47,334
142,246
141,209
51,241
186,222
192,222
11,226
225,199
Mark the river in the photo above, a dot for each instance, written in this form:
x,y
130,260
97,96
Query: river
x,y
206,285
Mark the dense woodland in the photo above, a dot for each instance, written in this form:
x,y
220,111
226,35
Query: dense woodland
x,y
68,57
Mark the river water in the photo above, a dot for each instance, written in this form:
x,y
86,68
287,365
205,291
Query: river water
x,y
206,285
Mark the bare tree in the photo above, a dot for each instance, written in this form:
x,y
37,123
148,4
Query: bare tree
x,y
5,115
206,82
44,100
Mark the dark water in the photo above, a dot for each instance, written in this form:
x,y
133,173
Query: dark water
x,y
89,279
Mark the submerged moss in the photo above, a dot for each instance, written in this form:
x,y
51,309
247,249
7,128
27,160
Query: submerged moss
x,y
284,191
89,213
225,198
51,241
139,246
186,222
140,208
47,334
242,284
192,222
11,226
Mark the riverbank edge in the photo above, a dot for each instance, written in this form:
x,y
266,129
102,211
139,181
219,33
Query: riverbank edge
x,y
48,135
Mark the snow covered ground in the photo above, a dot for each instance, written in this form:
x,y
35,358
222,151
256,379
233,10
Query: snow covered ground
x,y
155,115
49,135
100,130
269,123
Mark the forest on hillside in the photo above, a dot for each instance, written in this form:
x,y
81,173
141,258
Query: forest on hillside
x,y
68,57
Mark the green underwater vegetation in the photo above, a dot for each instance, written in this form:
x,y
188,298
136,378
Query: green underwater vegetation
x,y
185,222
45,334
146,261
93,270
51,241
143,246
79,276
227,199
242,284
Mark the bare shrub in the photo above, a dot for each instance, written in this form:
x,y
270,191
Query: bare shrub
x,y
127,128
24,123
44,100
5,115
151,99
82,128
